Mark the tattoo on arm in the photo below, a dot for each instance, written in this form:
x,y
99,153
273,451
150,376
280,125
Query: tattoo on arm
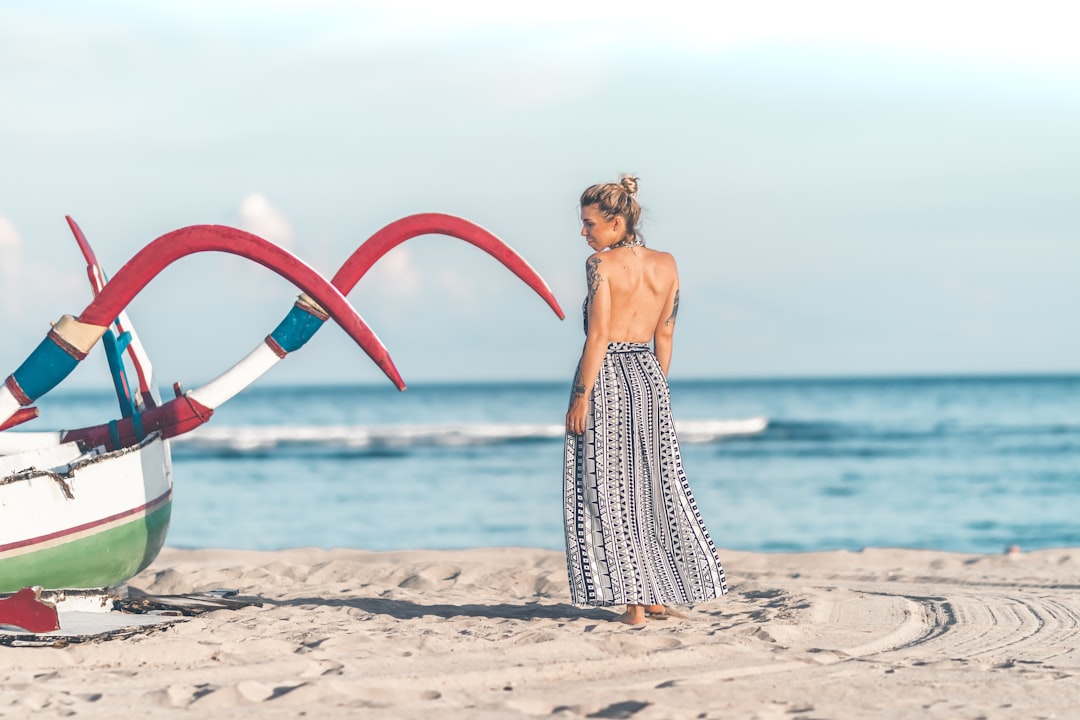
x,y
577,391
592,275
674,310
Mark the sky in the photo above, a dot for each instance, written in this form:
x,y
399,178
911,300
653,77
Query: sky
x,y
849,188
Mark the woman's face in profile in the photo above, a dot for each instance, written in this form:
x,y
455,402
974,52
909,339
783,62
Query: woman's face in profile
x,y
599,232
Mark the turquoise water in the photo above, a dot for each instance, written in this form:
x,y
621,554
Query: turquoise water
x,y
962,464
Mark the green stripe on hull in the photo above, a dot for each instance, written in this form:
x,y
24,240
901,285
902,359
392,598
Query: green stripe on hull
x,y
109,557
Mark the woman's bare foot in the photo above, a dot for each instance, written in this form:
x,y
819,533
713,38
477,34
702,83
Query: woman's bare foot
x,y
658,612
634,615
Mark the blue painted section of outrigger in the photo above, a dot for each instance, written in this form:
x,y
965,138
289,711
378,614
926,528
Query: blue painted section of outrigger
x,y
115,344
114,348
46,368
49,364
296,329
114,434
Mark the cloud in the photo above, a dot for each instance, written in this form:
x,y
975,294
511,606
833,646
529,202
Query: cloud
x,y
457,285
9,235
258,216
22,280
11,265
397,275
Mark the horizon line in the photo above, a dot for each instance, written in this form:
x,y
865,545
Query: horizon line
x,y
854,377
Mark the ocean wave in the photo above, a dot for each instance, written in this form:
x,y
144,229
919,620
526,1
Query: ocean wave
x,y
831,431
252,439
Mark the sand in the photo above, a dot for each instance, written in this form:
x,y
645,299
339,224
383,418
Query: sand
x,y
489,633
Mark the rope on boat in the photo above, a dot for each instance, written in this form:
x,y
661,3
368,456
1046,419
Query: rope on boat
x,y
62,478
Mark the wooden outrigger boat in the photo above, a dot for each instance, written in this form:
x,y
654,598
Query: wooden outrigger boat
x,y
90,507
75,513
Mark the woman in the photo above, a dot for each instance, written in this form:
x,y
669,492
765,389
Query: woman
x,y
633,532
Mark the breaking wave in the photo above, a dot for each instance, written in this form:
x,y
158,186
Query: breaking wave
x,y
220,441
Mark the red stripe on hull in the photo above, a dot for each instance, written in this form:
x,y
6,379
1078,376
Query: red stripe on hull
x,y
153,504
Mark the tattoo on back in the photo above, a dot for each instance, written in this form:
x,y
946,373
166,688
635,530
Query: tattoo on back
x,y
592,275
674,310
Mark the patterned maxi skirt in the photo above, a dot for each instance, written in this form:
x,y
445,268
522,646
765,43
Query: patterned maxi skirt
x,y
633,531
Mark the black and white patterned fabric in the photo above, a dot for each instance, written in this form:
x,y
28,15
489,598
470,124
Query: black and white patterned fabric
x,y
633,531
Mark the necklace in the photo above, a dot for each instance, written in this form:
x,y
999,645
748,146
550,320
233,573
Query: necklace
x,y
634,241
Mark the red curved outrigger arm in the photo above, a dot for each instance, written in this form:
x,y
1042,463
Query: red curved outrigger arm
x,y
66,345
168,248
183,414
412,226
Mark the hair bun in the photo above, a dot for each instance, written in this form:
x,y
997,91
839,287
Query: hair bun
x,y
629,183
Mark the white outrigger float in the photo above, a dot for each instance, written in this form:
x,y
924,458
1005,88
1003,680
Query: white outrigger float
x,y
90,507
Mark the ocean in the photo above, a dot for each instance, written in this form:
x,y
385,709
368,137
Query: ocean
x,y
968,464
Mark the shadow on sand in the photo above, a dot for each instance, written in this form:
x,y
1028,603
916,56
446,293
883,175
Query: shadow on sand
x,y
407,610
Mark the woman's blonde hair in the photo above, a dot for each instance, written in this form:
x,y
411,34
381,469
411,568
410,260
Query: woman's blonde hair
x,y
617,199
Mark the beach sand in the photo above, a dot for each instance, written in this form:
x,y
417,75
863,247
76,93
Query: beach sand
x,y
489,633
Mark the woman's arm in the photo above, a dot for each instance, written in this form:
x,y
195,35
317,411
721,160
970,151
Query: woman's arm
x,y
665,329
592,357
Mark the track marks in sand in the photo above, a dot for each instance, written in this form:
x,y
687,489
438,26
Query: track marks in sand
x,y
983,610
993,628
490,635
898,624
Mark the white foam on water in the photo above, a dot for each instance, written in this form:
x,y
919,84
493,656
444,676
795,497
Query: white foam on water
x,y
262,438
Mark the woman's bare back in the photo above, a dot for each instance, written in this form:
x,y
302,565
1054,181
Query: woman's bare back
x,y
643,286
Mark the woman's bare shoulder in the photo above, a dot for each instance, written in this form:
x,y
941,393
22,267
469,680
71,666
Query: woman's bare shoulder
x,y
662,259
592,263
